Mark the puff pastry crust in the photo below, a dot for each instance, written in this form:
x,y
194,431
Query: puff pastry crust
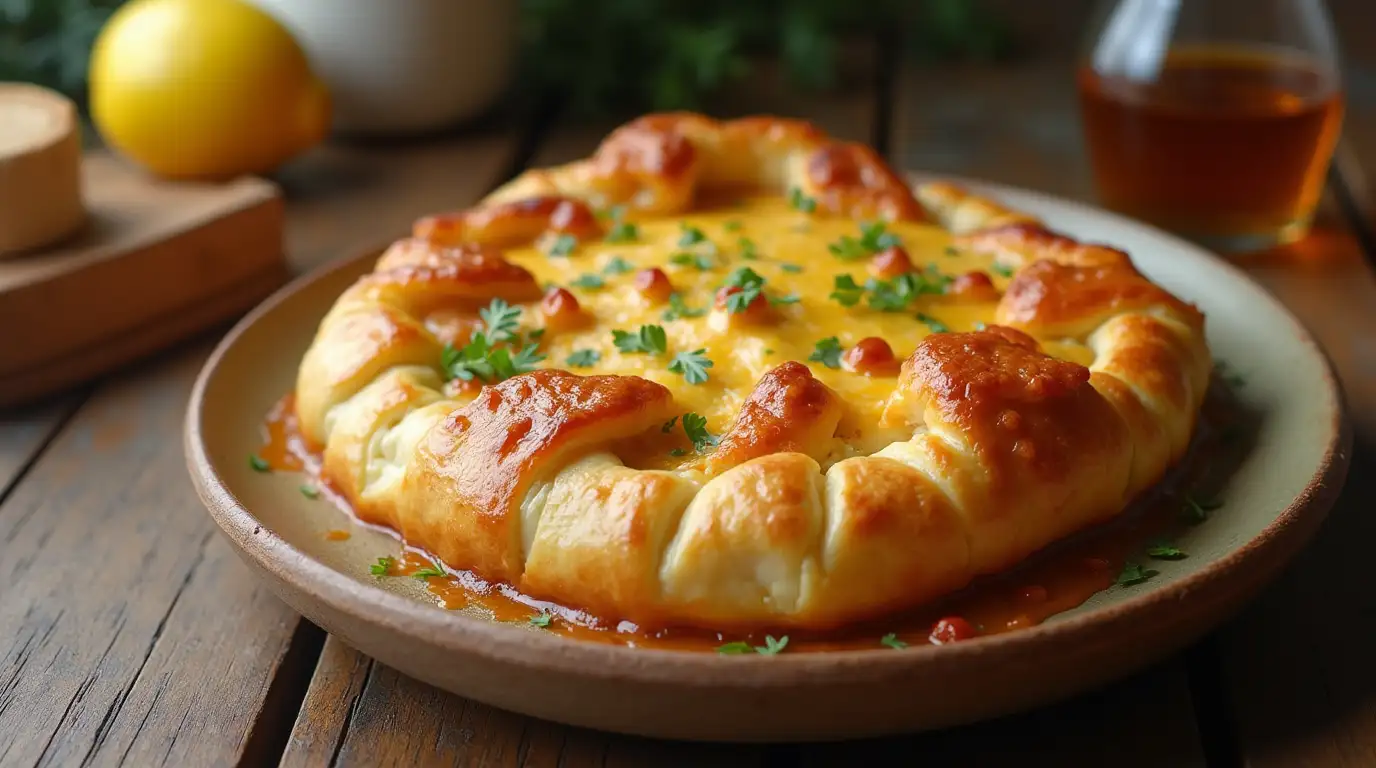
x,y
832,494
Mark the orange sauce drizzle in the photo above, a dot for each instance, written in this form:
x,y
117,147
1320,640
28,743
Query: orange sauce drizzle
x,y
1057,579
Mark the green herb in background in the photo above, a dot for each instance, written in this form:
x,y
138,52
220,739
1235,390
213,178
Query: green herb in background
x,y
601,56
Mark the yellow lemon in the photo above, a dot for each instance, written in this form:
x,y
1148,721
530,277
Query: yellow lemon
x,y
204,88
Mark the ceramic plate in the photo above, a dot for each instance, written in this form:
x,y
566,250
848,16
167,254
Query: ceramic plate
x,y
1275,499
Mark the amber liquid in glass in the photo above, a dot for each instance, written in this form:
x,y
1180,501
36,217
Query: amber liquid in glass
x,y
1227,145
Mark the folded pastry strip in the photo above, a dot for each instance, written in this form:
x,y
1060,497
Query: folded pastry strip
x,y
987,450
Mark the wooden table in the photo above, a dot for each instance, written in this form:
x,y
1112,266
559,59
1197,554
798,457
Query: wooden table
x,y
132,635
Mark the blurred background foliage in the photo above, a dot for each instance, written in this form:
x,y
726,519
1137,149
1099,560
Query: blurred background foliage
x,y
601,55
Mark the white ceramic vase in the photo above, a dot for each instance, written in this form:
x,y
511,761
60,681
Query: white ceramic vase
x,y
397,67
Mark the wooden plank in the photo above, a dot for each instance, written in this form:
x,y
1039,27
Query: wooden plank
x,y
24,432
391,719
132,632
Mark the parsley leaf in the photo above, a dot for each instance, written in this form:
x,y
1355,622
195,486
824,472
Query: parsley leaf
x,y
748,248
744,277
1166,551
772,646
891,640
428,571
310,491
845,290
732,226
588,281
734,649
801,202
892,295
691,236
499,320
686,259
562,245
874,238
678,309
1197,511
827,352
258,463
583,358
383,566
691,365
650,339
1134,574
623,232
793,268
695,427
932,323
541,619
617,266
614,213
479,359
751,285
787,298
1002,270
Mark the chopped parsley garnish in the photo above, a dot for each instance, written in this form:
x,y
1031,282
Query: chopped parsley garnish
x,y
686,259
310,491
691,365
669,425
500,320
1002,270
1166,551
649,339
801,202
935,325
536,335
617,266
772,646
583,358
748,248
589,281
695,427
562,245
382,567
751,285
691,236
874,238
258,463
428,571
787,298
732,226
479,359
734,649
541,619
1197,511
845,290
623,232
614,213
895,295
827,352
891,640
678,309
1134,574
793,268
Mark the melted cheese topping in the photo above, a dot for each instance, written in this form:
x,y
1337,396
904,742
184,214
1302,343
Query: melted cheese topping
x,y
793,258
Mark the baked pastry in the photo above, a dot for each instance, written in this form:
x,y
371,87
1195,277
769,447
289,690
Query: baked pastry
x,y
737,375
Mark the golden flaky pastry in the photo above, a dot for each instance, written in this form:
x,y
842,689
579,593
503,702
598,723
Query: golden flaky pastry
x,y
738,374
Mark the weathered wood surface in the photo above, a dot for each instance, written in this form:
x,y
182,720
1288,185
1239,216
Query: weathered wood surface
x,y
132,633
24,432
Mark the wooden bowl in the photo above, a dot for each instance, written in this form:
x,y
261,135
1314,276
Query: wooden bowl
x,y
1275,502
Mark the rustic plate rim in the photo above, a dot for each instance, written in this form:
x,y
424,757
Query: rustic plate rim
x,y
513,644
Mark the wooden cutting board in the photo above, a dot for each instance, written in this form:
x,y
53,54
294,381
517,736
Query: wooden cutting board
x,y
154,262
